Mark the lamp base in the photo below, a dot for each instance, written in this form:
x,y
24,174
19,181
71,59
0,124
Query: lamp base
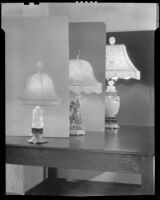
x,y
76,132
111,123
37,136
111,126
76,126
37,140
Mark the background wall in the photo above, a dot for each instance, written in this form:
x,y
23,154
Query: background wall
x,y
117,16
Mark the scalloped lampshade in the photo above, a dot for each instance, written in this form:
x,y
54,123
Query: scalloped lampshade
x,y
82,78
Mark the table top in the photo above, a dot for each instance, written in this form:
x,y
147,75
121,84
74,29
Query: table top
x,y
138,140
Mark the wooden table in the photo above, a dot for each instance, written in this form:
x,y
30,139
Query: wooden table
x,y
131,150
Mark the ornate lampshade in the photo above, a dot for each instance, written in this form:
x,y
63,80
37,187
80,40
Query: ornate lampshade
x,y
39,91
118,65
81,80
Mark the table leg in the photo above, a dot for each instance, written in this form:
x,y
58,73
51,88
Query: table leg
x,y
45,173
52,181
147,175
52,173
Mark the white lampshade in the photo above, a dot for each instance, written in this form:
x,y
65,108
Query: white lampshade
x,y
118,63
82,78
39,89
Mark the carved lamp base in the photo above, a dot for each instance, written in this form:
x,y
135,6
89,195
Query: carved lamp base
x,y
76,126
76,129
77,132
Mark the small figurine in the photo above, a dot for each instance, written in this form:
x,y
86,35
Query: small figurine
x,y
75,115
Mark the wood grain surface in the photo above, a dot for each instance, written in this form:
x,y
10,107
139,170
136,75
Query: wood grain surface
x,y
130,150
138,140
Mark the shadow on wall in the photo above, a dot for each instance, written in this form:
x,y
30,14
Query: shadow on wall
x,y
92,111
90,39
137,104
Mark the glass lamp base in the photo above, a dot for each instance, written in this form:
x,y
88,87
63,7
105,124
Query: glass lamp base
x,y
37,136
76,132
37,140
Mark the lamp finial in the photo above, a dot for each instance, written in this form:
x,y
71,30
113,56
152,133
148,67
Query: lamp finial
x,y
78,53
39,66
112,40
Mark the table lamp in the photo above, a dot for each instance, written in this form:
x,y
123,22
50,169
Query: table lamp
x,y
118,66
39,91
81,80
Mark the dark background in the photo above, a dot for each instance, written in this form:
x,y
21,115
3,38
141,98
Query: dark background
x,y
89,38
137,96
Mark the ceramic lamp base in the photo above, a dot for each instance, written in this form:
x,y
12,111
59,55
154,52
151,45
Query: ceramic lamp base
x,y
111,123
111,126
76,132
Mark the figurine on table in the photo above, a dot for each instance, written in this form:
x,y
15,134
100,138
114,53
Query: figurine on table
x,y
76,127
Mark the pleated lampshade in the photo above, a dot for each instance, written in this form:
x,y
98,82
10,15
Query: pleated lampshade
x,y
39,89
